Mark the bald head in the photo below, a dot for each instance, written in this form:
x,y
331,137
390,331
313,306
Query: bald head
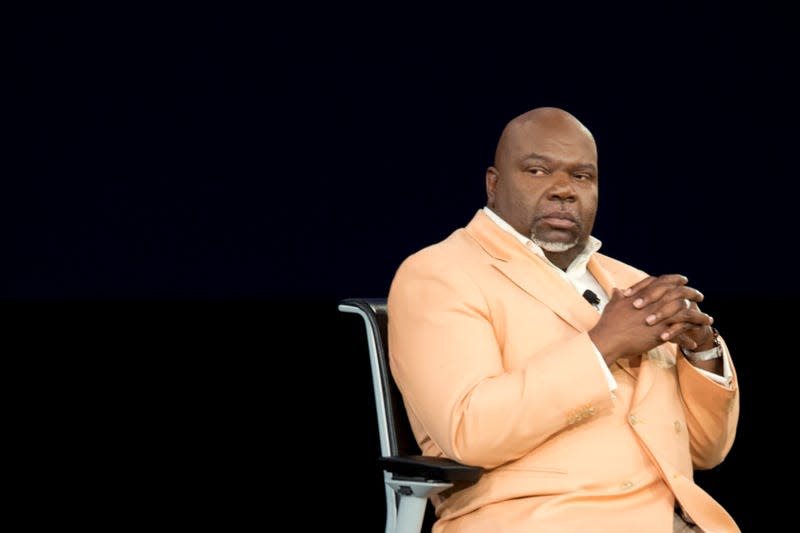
x,y
538,119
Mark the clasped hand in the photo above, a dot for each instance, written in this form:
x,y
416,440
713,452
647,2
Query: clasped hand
x,y
655,310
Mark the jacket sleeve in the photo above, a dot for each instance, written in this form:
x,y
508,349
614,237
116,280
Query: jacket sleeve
x,y
712,413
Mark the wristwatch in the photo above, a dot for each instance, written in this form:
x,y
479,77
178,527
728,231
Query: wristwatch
x,y
706,355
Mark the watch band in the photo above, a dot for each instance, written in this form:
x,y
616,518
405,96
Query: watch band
x,y
714,352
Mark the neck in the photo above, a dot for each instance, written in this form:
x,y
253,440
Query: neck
x,y
564,259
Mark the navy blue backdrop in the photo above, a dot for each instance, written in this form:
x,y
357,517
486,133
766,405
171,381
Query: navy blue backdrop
x,y
193,190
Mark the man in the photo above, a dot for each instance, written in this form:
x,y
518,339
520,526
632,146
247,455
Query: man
x,y
586,416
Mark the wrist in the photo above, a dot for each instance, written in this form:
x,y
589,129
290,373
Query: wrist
x,y
714,352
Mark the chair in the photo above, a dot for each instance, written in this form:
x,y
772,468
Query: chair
x,y
409,477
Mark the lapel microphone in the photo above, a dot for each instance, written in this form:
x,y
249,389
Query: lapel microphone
x,y
592,298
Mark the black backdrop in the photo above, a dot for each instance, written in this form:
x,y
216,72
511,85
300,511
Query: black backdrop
x,y
193,189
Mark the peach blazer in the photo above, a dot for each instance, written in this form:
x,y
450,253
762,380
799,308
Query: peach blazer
x,y
489,346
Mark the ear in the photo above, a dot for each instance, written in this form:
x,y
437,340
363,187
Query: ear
x,y
491,185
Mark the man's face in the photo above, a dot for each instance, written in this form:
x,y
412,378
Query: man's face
x,y
545,183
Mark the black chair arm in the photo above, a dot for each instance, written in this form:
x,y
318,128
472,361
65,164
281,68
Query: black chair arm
x,y
426,468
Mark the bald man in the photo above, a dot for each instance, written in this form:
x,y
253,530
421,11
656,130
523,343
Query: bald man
x,y
589,390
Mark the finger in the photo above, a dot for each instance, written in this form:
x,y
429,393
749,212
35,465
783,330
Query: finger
x,y
673,331
666,292
636,287
685,341
696,336
684,292
669,279
681,310
616,295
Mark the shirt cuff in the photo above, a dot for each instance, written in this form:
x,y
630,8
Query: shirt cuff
x,y
727,376
612,383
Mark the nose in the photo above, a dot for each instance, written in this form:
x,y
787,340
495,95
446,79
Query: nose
x,y
562,187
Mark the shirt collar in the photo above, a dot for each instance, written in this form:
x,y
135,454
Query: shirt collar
x,y
578,265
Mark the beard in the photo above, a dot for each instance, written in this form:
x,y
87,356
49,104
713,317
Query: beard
x,y
558,242
554,246
554,235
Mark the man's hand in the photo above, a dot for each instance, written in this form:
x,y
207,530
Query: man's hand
x,y
651,312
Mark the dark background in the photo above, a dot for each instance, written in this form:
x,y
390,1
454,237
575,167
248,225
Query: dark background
x,y
192,189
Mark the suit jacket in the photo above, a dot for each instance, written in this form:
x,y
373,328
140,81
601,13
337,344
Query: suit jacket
x,y
490,349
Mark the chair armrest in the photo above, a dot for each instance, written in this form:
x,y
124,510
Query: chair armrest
x,y
422,467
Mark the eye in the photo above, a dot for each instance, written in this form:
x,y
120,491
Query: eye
x,y
537,171
583,176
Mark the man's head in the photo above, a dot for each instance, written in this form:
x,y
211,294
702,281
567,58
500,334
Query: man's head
x,y
544,181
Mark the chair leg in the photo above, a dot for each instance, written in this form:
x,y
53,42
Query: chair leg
x,y
391,505
413,500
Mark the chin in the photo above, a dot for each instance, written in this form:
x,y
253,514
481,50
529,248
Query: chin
x,y
554,246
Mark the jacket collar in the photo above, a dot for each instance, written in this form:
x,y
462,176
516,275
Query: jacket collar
x,y
533,274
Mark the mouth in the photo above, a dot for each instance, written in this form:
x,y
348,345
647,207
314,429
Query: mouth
x,y
559,220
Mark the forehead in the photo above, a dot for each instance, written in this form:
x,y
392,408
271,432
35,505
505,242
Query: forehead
x,y
558,139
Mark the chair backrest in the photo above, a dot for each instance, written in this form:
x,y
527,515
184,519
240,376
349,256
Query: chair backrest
x,y
394,429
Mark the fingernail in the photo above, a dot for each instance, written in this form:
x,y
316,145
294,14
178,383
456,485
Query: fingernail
x,y
627,292
638,303
650,319
664,336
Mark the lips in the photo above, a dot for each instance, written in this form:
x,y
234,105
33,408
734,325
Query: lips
x,y
558,223
558,220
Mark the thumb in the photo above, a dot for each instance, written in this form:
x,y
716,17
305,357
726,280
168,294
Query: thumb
x,y
616,294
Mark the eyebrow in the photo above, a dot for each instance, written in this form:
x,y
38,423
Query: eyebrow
x,y
534,155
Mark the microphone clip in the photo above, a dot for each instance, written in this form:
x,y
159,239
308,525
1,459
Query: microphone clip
x,y
592,298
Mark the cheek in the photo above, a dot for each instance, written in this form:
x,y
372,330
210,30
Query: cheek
x,y
589,220
525,206
588,214
519,212
533,204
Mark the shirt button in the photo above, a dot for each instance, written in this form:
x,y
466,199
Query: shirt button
x,y
633,419
626,485
677,426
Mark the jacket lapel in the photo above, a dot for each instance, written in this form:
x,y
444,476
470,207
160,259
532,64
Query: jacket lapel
x,y
602,275
608,282
531,273
653,361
